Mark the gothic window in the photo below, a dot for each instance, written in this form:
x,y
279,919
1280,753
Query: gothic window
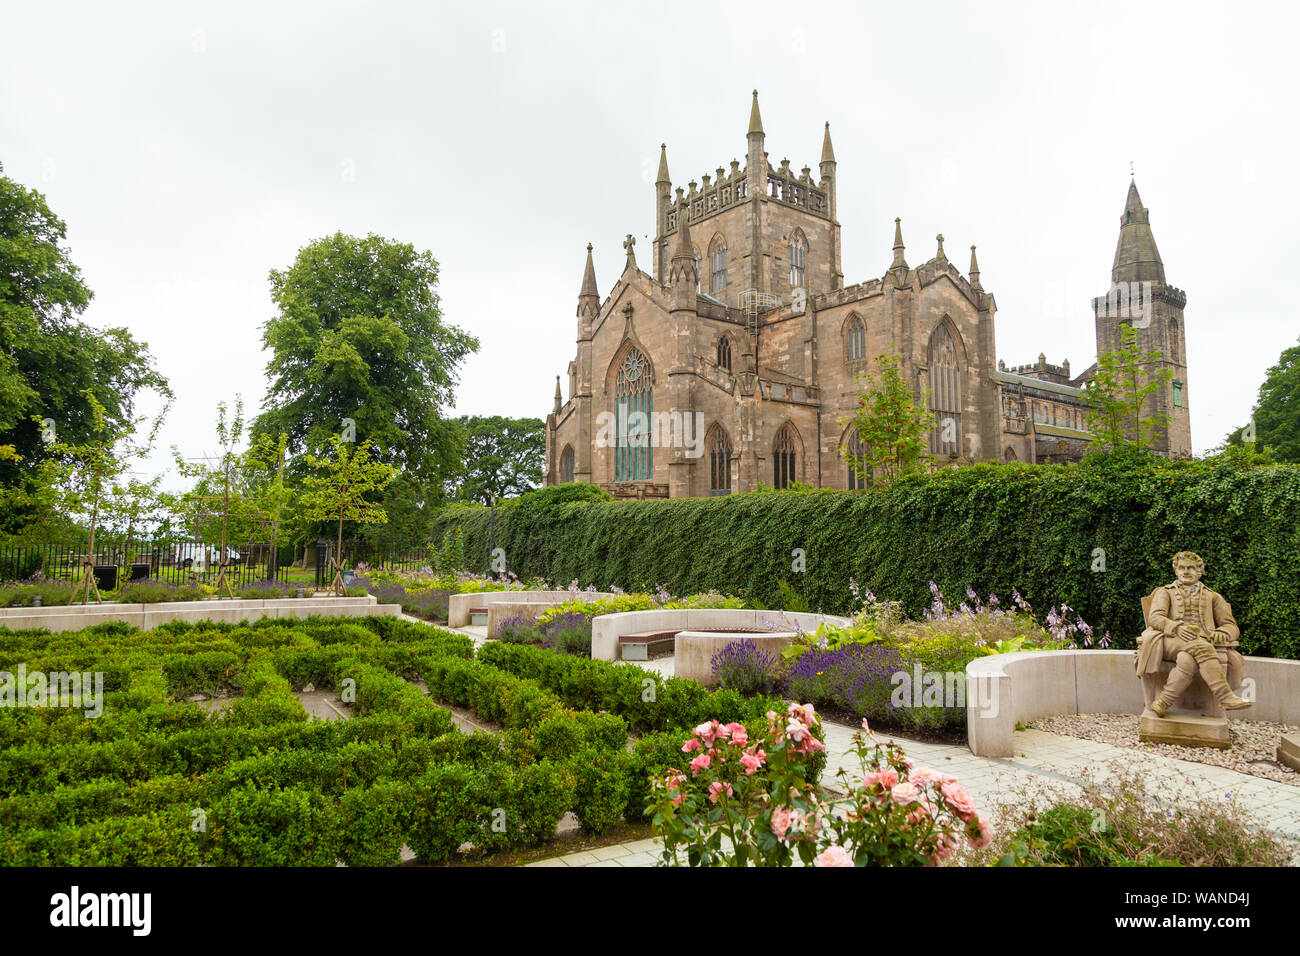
x,y
945,393
724,353
855,339
566,464
798,246
633,406
785,457
859,472
718,253
1010,454
719,446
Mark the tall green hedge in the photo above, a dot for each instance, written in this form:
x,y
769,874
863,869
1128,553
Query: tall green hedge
x,y
992,527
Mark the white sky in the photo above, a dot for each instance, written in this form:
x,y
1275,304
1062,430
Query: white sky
x,y
192,147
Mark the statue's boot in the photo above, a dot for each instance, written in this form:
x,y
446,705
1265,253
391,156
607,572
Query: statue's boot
x,y
1179,679
1212,671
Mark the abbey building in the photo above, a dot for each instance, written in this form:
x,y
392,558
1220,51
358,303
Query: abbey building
x,y
729,361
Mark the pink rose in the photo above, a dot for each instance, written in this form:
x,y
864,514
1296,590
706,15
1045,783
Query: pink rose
x,y
717,788
925,777
780,822
888,778
906,792
752,761
691,746
739,736
700,763
959,798
833,856
796,731
979,832
870,780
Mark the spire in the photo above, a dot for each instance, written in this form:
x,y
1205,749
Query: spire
x,y
685,248
1136,257
899,261
828,153
559,402
589,295
975,272
755,121
663,165
683,273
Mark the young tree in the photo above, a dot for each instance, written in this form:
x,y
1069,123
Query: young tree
x,y
49,358
1126,377
359,348
339,489
892,423
1276,416
503,457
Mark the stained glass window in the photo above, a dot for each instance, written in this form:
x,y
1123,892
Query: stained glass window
x,y
633,407
945,393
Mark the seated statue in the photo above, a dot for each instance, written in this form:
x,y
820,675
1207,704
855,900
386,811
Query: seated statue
x,y
1193,627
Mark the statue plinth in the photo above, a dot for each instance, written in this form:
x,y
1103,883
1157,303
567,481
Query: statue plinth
x,y
1288,751
1184,730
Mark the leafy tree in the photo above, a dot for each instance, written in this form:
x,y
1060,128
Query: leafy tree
x,y
1276,416
1126,377
503,457
49,358
893,425
359,345
339,490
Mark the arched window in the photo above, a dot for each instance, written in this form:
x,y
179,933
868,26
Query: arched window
x,y
633,406
719,446
724,353
785,457
566,464
945,393
859,469
855,339
798,246
1010,454
718,253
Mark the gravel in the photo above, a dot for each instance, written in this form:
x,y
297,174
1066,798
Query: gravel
x,y
1253,750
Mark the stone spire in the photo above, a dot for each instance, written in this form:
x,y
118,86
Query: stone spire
x,y
1136,257
755,121
589,295
975,272
559,403
899,261
828,153
663,165
683,271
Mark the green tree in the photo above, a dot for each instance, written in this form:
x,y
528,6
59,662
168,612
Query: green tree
x,y
340,489
1126,377
893,425
503,457
49,358
359,348
1276,416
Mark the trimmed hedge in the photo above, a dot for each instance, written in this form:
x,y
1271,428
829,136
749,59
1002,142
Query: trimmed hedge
x,y
991,527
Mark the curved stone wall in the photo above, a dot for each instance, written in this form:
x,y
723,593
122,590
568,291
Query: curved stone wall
x,y
608,628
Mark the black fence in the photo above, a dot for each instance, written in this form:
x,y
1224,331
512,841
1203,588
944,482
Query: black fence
x,y
173,561
361,553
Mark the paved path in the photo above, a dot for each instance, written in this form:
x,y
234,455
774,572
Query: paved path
x,y
1044,762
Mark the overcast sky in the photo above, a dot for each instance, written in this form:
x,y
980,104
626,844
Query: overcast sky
x,y
192,147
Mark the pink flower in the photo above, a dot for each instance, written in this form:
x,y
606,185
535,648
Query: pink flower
x,y
906,793
796,731
739,736
752,761
864,725
803,713
924,811
678,797
959,798
675,779
780,821
888,778
979,831
700,763
925,777
691,746
833,856
870,780
717,788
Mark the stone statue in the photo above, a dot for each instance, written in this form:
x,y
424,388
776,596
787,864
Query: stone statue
x,y
1189,624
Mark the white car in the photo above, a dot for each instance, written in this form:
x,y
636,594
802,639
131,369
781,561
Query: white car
x,y
201,557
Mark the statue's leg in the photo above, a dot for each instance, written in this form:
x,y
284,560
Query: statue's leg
x,y
1207,659
1179,678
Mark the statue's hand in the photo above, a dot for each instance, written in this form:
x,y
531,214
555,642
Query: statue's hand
x,y
1189,632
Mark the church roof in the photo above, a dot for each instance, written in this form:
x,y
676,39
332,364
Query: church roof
x,y
1136,257
1057,431
1011,378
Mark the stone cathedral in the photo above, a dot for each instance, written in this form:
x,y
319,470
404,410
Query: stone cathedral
x,y
731,362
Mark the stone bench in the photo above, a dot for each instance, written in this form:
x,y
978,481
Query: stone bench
x,y
460,605
1005,689
607,630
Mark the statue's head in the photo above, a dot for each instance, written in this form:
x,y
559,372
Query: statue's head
x,y
1188,567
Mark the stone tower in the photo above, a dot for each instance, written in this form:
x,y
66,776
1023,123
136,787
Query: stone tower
x,y
1140,296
